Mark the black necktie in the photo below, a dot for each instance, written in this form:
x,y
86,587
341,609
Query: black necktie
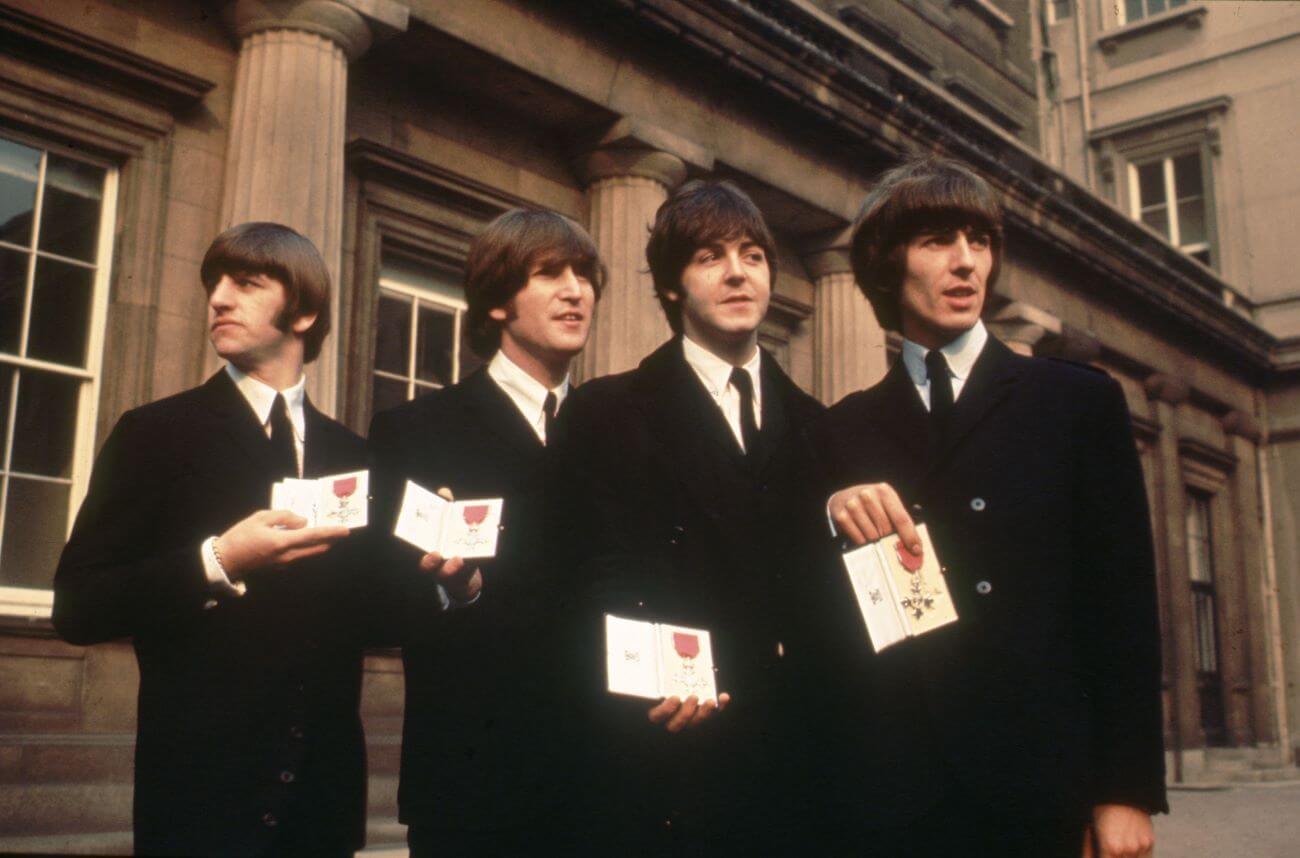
x,y
282,449
748,428
549,408
936,367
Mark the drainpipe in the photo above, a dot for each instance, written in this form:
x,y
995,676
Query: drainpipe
x,y
1278,663
1085,98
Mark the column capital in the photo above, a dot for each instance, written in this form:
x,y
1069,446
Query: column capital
x,y
1021,326
1162,387
353,25
827,253
616,161
1242,424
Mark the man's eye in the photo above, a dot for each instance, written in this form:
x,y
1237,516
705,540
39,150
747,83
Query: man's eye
x,y
756,256
980,240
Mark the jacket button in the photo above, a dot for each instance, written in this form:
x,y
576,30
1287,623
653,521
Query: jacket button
x,y
984,588
977,504
295,732
916,507
269,820
286,777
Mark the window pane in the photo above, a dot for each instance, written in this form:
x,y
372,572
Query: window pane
x,y
393,334
60,312
1151,184
46,423
1154,7
434,341
13,285
19,169
1132,10
7,376
1060,9
1187,175
1206,655
1156,219
70,211
388,394
1191,222
36,521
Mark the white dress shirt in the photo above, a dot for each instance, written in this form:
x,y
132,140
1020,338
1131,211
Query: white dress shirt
x,y
527,393
715,373
961,355
261,398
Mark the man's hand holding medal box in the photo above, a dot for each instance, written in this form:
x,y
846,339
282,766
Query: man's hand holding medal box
x,y
900,594
338,500
658,660
466,529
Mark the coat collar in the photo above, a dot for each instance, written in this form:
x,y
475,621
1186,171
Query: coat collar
x,y
497,413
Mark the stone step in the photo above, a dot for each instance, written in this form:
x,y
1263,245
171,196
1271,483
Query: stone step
x,y
65,809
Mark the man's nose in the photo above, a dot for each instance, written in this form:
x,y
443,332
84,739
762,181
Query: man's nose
x,y
963,258
220,297
733,268
570,284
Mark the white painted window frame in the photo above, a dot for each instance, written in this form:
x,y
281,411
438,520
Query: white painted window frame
x,y
1171,196
29,602
416,294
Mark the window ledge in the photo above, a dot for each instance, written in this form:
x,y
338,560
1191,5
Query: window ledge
x,y
1191,17
25,610
991,13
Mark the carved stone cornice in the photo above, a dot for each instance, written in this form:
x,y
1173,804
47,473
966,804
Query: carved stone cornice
x,y
351,24
49,45
1163,387
1243,425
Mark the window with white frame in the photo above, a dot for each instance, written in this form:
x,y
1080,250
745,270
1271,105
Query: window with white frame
x,y
1059,10
420,337
1168,194
56,226
1136,10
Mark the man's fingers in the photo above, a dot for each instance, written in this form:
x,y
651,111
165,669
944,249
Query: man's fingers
x,y
847,527
314,536
282,518
901,521
445,494
299,553
857,508
662,711
431,561
706,710
451,568
683,715
723,699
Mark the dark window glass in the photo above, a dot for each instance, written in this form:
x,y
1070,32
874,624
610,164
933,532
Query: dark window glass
x,y
13,286
60,325
36,522
389,393
392,334
1187,175
1132,10
45,426
71,208
19,169
436,338
1151,184
7,376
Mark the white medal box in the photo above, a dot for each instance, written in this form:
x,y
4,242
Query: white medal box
x,y
337,500
899,594
658,660
467,528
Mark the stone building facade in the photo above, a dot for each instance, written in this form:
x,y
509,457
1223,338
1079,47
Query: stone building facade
x,y
390,132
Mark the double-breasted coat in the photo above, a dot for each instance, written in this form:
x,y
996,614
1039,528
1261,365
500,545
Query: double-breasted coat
x,y
248,721
1044,698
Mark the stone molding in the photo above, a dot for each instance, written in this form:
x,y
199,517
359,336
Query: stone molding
x,y
1022,326
623,162
1162,387
350,24
1242,425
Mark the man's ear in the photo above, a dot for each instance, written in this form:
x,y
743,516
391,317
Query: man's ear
x,y
500,314
302,324
672,296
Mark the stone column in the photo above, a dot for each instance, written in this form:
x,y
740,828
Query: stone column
x,y
626,184
1022,326
1166,393
1255,593
284,159
848,342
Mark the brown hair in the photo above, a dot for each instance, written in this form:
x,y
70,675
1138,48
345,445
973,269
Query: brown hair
x,y
696,215
277,251
925,194
504,256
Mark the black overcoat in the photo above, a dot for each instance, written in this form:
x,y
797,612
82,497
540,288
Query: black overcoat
x,y
478,737
248,709
1044,698
664,519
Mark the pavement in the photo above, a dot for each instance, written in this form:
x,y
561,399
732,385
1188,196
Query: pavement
x,y
1241,821
1238,821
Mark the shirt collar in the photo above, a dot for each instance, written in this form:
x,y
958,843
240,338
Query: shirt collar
x,y
527,393
261,397
961,355
716,372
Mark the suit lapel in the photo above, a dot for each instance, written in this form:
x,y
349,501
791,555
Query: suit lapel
x,y
902,414
235,423
496,413
991,379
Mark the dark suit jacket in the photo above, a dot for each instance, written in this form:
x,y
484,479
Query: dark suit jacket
x,y
248,709
664,519
476,739
1044,698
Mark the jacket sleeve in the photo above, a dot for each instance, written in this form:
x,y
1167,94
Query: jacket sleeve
x,y
1118,620
116,578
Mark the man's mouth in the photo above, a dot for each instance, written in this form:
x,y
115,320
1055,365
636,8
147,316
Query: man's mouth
x,y
738,299
959,292
222,323
571,316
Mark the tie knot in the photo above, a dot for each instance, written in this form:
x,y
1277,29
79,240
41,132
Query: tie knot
x,y
936,365
742,382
